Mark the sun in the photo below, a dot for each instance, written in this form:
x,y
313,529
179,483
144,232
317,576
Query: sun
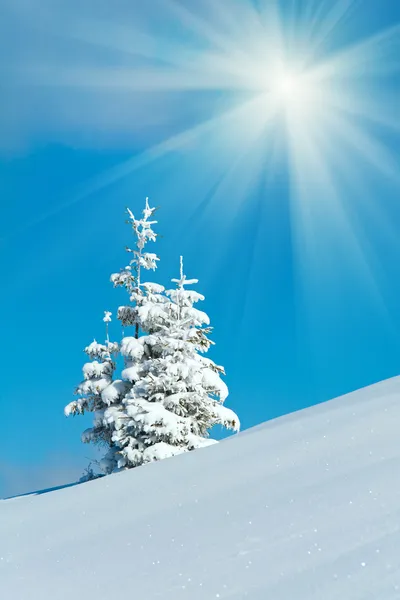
x,y
287,85
294,91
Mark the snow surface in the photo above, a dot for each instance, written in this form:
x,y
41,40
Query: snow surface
x,y
303,507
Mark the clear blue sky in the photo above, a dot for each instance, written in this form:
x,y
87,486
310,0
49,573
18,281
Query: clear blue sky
x,y
287,213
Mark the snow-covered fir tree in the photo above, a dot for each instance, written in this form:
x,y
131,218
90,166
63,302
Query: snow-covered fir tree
x,y
146,314
170,394
176,394
96,393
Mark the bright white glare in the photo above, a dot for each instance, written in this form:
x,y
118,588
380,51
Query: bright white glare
x,y
286,82
293,92
287,85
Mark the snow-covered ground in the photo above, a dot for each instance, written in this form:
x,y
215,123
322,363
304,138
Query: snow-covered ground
x,y
304,507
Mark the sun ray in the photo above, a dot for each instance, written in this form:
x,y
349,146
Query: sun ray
x,y
322,227
371,150
327,18
376,55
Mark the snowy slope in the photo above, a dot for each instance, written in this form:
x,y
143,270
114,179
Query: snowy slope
x,y
304,507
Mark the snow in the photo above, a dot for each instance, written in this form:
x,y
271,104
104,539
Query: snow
x,y
107,316
160,451
154,288
96,369
148,260
305,507
113,392
132,348
93,386
95,350
226,417
131,372
213,382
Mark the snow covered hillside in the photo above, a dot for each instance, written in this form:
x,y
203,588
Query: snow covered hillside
x,y
303,507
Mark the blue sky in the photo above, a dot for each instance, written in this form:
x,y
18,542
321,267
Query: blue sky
x,y
285,207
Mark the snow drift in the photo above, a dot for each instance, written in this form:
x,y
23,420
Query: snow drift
x,y
303,507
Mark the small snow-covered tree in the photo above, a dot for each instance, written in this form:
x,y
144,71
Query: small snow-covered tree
x,y
96,393
176,395
201,390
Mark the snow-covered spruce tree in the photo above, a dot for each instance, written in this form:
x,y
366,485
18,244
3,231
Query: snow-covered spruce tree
x,y
146,314
96,393
176,395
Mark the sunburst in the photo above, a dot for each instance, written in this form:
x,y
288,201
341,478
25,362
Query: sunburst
x,y
220,81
